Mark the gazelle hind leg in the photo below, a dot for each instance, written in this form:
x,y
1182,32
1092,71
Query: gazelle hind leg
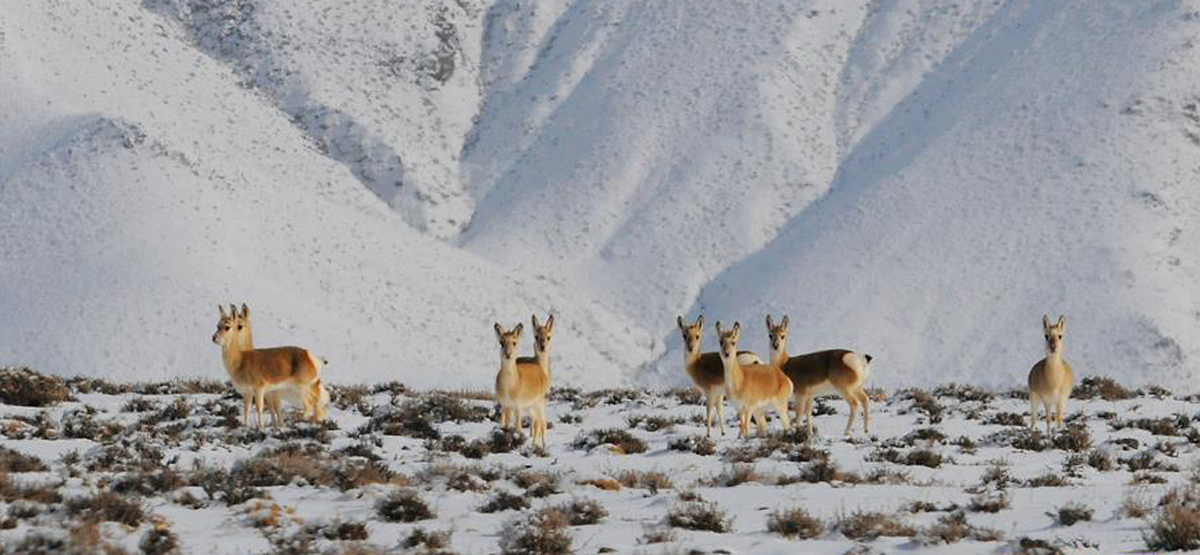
x,y
808,414
247,401
1033,415
539,414
853,411
259,395
1062,406
760,422
781,410
799,421
1049,414
708,414
866,408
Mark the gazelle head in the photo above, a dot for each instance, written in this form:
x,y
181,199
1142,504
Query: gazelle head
x,y
1054,333
542,334
508,340
691,333
229,326
729,340
778,334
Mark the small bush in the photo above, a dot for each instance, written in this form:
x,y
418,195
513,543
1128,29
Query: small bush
x,y
1104,388
984,503
624,441
700,515
916,457
953,528
1006,419
15,461
544,533
536,483
655,422
997,475
1074,437
795,523
159,540
1175,524
651,480
664,534
863,525
404,505
699,445
1047,480
429,540
26,388
581,512
107,507
1071,513
505,501
924,403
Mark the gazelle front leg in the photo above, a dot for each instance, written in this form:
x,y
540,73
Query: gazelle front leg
x,y
1033,415
808,414
853,411
247,400
721,412
760,422
782,412
708,413
1062,404
1049,415
259,395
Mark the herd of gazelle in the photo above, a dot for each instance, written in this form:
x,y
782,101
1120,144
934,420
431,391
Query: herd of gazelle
x,y
266,378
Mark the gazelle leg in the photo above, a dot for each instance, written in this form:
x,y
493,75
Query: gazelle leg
x,y
721,412
247,401
799,411
1033,415
781,409
708,413
760,422
808,414
259,395
866,408
1049,414
853,411
1062,405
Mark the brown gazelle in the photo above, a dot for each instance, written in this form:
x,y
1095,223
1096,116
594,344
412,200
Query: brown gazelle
x,y
522,383
313,400
256,372
1051,379
706,370
821,373
752,387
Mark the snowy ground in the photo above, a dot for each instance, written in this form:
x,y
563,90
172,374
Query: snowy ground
x,y
177,452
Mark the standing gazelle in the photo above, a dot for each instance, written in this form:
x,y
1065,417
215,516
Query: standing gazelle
x,y
313,400
1051,379
821,373
255,372
707,372
522,383
752,387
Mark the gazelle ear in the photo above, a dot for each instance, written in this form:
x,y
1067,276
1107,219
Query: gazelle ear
x,y
719,332
770,324
737,329
550,323
233,310
1062,323
1045,321
535,322
499,329
519,328
785,322
700,321
245,311
679,322
221,309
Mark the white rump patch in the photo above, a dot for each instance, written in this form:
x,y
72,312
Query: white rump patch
x,y
749,358
858,363
317,362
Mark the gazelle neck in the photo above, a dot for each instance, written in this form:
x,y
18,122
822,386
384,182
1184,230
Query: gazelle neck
x,y
779,357
690,358
1054,358
733,372
543,360
231,355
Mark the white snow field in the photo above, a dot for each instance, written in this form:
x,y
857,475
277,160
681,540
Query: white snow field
x,y
953,470
381,181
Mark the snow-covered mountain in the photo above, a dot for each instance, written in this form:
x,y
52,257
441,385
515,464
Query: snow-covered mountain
x,y
381,181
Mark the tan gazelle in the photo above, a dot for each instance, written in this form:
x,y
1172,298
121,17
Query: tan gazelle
x,y
836,371
313,400
522,383
1051,379
752,388
706,370
256,372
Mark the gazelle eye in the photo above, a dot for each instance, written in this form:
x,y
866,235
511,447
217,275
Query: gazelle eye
x,y
226,328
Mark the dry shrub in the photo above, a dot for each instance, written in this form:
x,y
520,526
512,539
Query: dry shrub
x,y
1074,437
1175,524
1104,388
1135,506
107,506
658,534
651,480
736,475
1006,419
654,422
26,388
866,525
700,515
15,461
989,503
504,501
431,541
626,442
536,483
795,523
924,403
953,528
159,539
404,505
1071,513
699,445
543,533
581,512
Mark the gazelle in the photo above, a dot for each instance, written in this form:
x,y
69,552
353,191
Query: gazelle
x,y
313,400
821,373
1051,379
752,387
256,372
707,372
522,383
